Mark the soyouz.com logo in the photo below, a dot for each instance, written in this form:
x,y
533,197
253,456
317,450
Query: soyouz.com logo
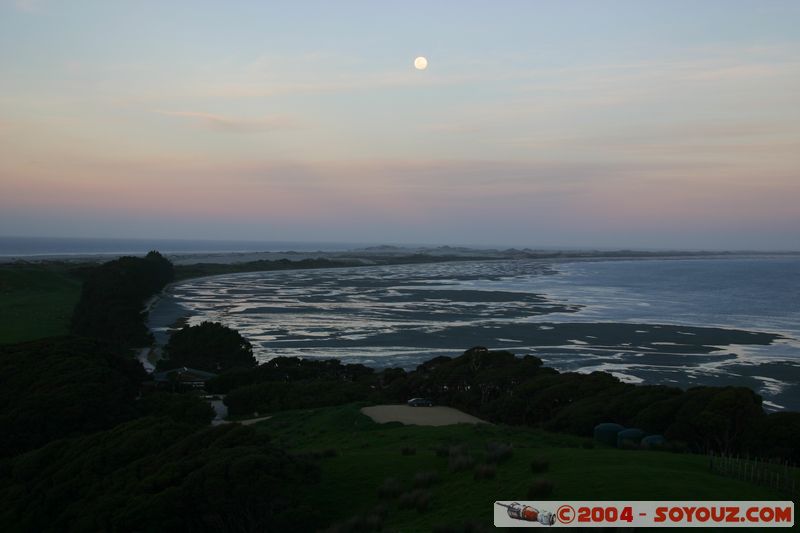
x,y
644,514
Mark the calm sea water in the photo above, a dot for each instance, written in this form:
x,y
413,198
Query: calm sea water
x,y
679,322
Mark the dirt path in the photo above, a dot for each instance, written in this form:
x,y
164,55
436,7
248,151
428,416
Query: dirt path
x,y
419,416
142,355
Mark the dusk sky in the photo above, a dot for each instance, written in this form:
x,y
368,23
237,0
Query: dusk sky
x,y
659,124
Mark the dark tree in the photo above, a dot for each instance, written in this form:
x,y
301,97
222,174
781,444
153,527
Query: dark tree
x,y
62,387
210,346
154,474
185,408
113,296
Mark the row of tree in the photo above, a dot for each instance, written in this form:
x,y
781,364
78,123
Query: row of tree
x,y
113,295
502,388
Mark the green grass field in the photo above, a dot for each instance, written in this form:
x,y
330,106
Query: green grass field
x,y
366,454
36,301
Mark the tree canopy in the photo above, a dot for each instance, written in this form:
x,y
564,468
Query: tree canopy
x,y
209,346
502,388
153,474
63,386
113,295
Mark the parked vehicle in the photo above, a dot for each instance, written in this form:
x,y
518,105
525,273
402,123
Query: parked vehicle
x,y
420,402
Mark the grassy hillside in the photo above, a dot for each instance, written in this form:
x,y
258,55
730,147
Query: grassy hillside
x,y
358,456
36,301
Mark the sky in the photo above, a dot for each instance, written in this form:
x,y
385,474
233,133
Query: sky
x,y
636,124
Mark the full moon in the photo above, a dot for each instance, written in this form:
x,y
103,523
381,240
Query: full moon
x,y
420,63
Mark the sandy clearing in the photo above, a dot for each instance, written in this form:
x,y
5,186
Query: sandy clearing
x,y
419,416
248,422
251,421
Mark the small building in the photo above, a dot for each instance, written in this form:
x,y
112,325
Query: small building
x,y
184,376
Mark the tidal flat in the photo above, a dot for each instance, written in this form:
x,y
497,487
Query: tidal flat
x,y
683,322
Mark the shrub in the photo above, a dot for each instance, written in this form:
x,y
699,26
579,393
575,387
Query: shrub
x,y
676,447
417,499
485,471
588,445
407,450
497,452
390,488
442,451
458,463
539,465
425,479
540,488
423,502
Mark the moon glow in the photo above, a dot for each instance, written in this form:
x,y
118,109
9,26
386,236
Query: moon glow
x,y
420,63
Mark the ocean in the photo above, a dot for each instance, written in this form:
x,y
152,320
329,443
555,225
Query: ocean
x,y
687,322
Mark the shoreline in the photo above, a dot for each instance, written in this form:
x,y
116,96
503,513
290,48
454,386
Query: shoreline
x,y
380,254
642,351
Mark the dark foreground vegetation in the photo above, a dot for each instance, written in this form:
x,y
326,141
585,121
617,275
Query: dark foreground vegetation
x,y
82,451
110,306
89,443
155,474
499,387
62,387
209,346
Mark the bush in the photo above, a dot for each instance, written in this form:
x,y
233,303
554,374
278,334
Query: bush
x,y
587,445
64,387
539,465
458,463
417,499
540,488
179,407
425,479
497,452
676,447
329,452
456,449
214,475
390,488
407,450
485,471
